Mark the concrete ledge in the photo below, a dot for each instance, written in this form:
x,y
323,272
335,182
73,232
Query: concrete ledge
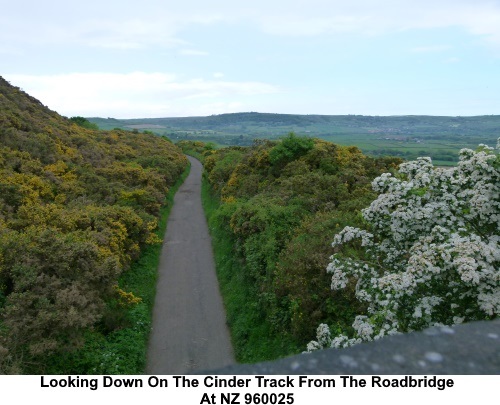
x,y
472,348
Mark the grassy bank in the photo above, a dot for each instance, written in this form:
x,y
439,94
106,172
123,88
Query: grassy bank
x,y
252,336
195,154
124,350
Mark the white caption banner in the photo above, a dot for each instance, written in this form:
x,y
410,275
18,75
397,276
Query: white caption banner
x,y
258,390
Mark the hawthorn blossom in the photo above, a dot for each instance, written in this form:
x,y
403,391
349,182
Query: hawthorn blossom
x,y
432,255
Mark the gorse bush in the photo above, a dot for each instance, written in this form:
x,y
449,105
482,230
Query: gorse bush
x,y
198,149
430,252
77,206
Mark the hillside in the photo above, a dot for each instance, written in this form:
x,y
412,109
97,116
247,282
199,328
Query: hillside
x,y
404,136
77,206
273,208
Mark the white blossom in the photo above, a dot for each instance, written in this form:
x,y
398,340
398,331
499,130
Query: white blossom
x,y
433,255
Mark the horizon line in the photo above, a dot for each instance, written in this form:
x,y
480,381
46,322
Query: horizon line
x,y
304,115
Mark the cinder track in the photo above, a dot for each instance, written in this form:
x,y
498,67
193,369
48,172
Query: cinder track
x,y
189,323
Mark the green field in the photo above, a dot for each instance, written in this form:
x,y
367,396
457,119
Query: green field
x,y
404,136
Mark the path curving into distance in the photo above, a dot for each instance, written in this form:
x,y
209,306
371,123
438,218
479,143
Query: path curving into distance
x,y
189,321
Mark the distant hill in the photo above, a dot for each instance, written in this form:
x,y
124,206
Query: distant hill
x,y
252,123
407,136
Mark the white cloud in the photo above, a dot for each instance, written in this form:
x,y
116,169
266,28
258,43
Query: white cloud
x,y
136,94
366,17
131,24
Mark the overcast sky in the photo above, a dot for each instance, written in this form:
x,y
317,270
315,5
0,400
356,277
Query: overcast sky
x,y
160,58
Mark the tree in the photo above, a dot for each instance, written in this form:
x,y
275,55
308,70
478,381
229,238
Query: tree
x,y
84,122
431,254
290,148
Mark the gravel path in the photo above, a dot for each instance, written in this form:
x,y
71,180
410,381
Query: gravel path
x,y
189,322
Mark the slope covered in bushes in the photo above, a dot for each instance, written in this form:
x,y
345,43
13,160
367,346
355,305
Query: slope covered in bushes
x,y
280,203
413,245
76,208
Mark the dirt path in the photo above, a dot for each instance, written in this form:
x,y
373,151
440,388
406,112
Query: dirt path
x,y
189,325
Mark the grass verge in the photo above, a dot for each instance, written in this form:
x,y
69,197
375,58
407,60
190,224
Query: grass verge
x,y
124,350
195,154
252,336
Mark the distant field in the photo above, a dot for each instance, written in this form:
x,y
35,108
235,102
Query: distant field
x,y
442,152
407,136
145,126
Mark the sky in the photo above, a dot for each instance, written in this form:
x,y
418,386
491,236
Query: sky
x,y
162,58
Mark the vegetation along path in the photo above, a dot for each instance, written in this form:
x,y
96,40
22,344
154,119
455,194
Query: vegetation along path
x,y
189,324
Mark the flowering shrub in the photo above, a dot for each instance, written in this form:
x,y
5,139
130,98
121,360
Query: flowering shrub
x,y
432,252
126,298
